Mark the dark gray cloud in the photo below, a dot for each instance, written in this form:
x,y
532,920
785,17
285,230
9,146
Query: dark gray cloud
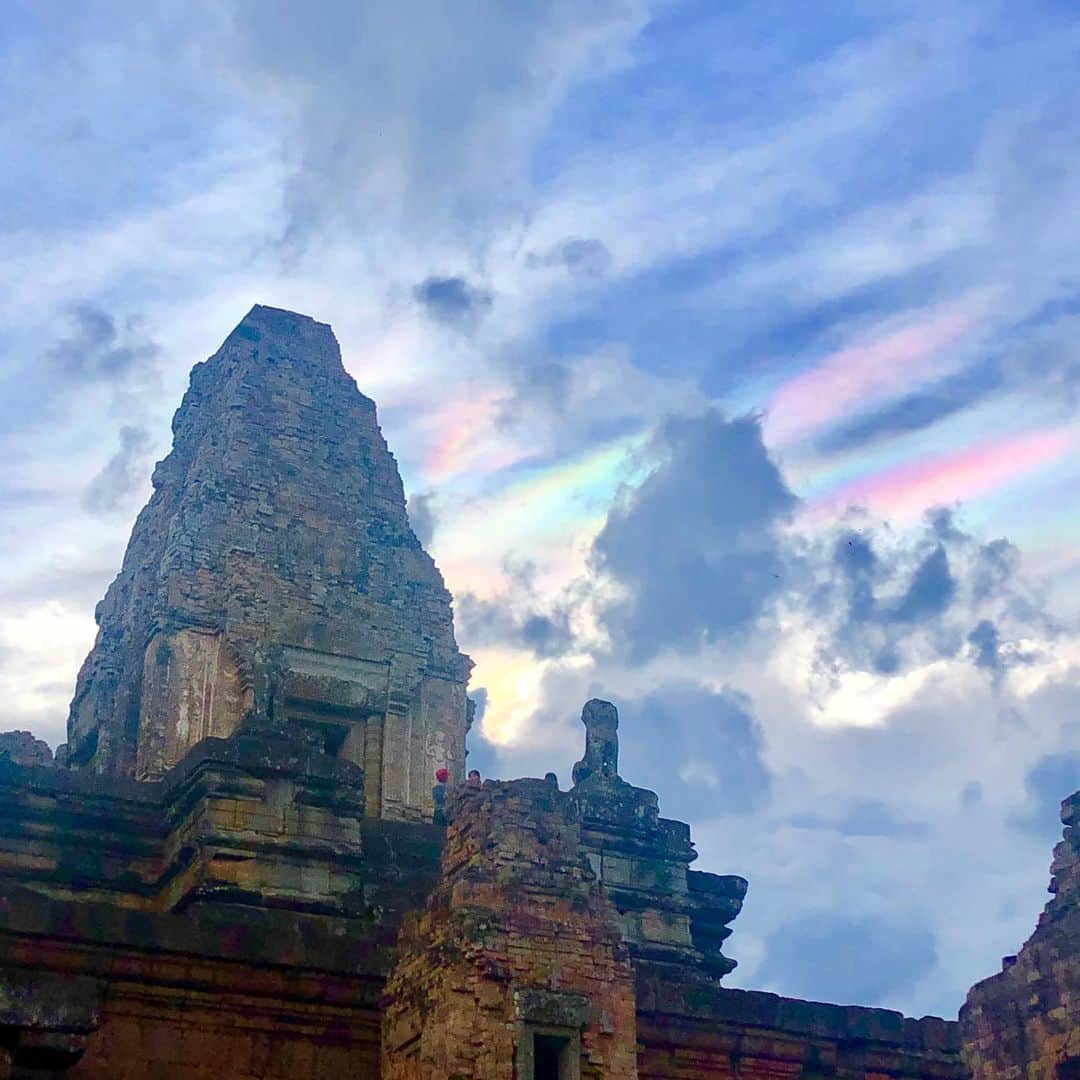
x,y
695,544
848,959
583,400
930,591
971,794
997,563
436,135
986,641
479,697
510,621
422,516
579,255
854,558
93,358
882,604
698,553
123,474
94,349
514,618
452,300
545,386
699,749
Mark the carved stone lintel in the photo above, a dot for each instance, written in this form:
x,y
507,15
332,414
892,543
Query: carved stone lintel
x,y
555,1008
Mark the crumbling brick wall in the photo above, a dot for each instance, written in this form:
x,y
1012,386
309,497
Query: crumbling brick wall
x,y
517,940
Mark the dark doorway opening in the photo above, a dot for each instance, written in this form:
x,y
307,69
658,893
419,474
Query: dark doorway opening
x,y
1069,1069
549,1053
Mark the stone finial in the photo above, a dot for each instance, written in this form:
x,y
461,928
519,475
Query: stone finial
x,y
601,760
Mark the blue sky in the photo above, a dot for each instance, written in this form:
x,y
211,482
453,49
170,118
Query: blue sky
x,y
729,355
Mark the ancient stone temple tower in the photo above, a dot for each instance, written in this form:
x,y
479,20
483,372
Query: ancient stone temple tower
x,y
274,575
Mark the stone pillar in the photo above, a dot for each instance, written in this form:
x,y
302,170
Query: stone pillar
x,y
397,758
516,968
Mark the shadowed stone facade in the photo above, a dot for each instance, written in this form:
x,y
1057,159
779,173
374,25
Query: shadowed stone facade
x,y
236,868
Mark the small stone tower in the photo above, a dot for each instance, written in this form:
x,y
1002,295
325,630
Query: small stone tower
x,y
517,969
273,579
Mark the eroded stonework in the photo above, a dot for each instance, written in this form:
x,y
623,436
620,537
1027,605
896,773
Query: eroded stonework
x,y
518,945
1025,1022
274,574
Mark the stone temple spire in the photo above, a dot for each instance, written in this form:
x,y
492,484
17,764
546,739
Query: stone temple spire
x,y
274,578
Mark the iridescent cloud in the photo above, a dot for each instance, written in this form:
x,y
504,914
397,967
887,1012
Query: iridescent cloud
x,y
864,374
547,510
907,489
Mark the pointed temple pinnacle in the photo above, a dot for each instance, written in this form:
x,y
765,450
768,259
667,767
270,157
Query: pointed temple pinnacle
x,y
274,578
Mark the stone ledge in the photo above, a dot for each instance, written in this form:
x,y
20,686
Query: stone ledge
x,y
216,931
699,1000
41,1001
90,785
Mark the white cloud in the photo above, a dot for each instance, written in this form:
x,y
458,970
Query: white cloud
x,y
40,645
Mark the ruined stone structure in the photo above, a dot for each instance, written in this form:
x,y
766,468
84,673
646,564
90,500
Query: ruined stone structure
x,y
1025,1021
518,955
236,867
274,575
